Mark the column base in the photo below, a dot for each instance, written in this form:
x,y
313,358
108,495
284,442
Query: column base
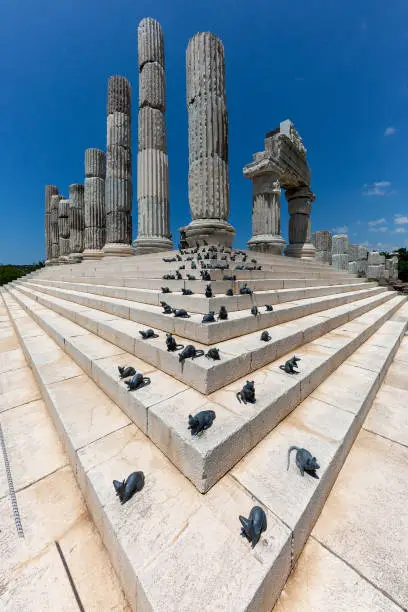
x,y
143,246
64,259
51,262
212,231
116,249
301,251
93,254
75,258
267,243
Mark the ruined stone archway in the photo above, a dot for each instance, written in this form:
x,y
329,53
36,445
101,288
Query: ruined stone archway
x,y
282,165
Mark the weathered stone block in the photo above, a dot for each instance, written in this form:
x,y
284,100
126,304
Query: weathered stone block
x,y
340,261
375,259
152,129
353,252
362,252
374,271
340,244
150,42
152,91
324,257
322,240
119,95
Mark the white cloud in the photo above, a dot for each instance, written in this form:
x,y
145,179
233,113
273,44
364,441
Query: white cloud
x,y
377,222
400,230
390,131
383,228
379,188
400,219
342,229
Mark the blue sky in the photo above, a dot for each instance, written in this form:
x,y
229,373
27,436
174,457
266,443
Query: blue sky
x,y
337,69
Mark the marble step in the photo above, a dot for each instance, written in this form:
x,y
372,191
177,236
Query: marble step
x,y
169,536
198,302
238,356
238,323
161,409
218,286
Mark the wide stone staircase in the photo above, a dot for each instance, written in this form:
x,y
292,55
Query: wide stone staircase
x,y
176,544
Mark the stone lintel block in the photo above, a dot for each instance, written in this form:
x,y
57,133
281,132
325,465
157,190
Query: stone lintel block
x,y
152,88
119,95
95,163
205,65
152,129
150,42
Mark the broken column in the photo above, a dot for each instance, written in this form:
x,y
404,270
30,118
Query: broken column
x,y
118,182
76,222
54,211
50,190
208,184
63,230
340,257
266,224
376,265
152,161
322,241
94,202
300,230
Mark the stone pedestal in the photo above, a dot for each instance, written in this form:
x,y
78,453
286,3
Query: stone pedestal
x,y
54,212
50,190
152,161
208,183
94,200
76,222
340,257
322,241
300,206
266,224
63,229
118,184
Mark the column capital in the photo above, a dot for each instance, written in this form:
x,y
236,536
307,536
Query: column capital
x,y
300,200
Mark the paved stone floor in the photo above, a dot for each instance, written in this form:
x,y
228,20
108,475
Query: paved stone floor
x,y
357,555
60,564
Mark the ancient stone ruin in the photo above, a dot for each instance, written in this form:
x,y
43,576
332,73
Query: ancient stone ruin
x,y
179,382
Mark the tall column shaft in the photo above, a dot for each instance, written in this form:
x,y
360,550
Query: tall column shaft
x,y
118,184
54,211
50,190
152,161
76,221
266,225
300,230
208,182
63,230
94,202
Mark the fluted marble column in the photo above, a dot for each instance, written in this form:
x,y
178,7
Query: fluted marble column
x,y
300,231
50,190
266,224
76,222
152,161
94,200
54,208
340,256
322,241
63,230
118,183
208,183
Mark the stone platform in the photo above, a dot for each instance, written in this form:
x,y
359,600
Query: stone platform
x,y
77,323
